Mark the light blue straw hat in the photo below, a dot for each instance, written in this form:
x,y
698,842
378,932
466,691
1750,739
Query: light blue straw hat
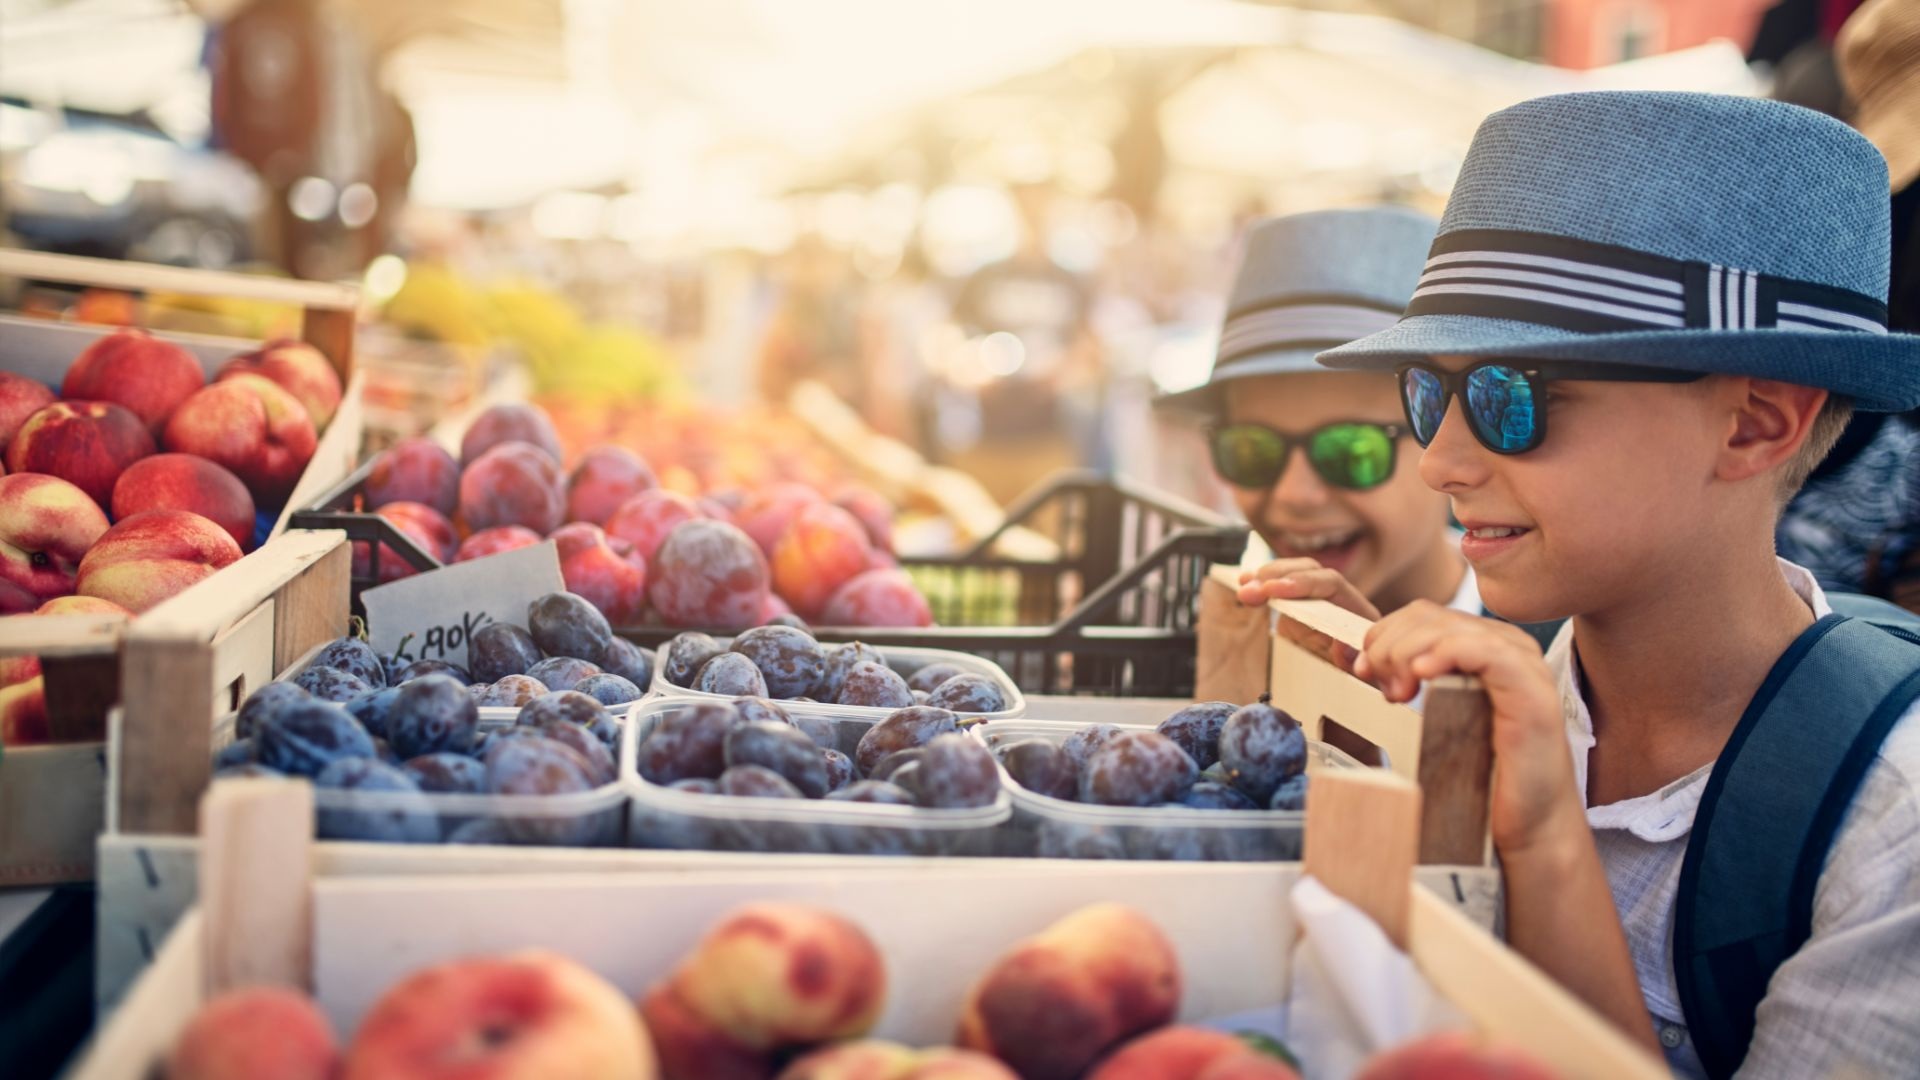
x,y
1309,281
1688,231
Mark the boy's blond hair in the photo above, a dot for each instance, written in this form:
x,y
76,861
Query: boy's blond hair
x,y
1827,428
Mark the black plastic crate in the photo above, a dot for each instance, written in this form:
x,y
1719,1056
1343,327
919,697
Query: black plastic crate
x,y
1110,610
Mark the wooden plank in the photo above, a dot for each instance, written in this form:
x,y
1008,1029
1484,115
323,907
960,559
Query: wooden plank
x,y
152,277
330,331
52,803
1235,646
164,741
1311,689
312,606
256,871
80,690
62,635
134,1041
1456,771
1516,1003
243,659
334,457
202,611
1363,829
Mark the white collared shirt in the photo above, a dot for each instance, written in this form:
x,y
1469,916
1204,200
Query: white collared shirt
x,y
1846,1004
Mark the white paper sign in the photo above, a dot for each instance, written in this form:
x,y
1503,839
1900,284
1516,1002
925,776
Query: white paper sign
x,y
432,616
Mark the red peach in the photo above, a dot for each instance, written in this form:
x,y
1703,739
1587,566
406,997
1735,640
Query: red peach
x,y
257,1032
153,556
423,525
1168,1054
606,477
18,669
510,423
20,397
23,713
709,574
715,509
1060,1000
1249,1064
529,1016
778,975
767,512
645,520
868,1059
186,482
1453,1056
46,527
607,571
86,443
252,427
873,511
134,369
878,598
494,541
414,470
514,483
824,548
299,369
947,1063
691,1049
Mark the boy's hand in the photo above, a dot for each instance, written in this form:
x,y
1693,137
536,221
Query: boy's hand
x,y
1302,579
1535,804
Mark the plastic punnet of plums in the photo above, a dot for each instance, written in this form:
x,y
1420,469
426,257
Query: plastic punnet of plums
x,y
685,654
790,660
1137,768
563,624
908,728
1262,747
1197,729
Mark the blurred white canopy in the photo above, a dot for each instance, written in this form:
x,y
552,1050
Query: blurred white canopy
x,y
513,98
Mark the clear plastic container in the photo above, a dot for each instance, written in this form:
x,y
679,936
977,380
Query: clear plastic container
x,y
1051,828
660,817
503,715
595,818
901,658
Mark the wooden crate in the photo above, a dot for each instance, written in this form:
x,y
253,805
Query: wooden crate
x,y
53,798
194,656
266,916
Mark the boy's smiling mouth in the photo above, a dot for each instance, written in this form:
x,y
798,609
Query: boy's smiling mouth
x,y
1485,539
1332,548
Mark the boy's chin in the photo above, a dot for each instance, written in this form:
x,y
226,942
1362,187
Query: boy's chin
x,y
1520,605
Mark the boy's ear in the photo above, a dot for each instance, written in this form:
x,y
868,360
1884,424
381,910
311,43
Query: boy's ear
x,y
1770,422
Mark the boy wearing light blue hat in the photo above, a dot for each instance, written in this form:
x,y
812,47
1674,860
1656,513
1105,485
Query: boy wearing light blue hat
x,y
1645,319
1319,461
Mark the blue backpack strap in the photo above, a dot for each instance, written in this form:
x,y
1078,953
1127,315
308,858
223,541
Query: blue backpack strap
x,y
1772,806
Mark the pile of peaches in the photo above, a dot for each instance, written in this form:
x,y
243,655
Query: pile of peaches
x,y
783,992
140,478
643,553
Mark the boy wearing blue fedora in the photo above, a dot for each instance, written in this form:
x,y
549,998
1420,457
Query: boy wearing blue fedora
x,y
1319,461
1645,319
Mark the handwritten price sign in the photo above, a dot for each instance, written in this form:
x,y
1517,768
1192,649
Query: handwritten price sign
x,y
433,616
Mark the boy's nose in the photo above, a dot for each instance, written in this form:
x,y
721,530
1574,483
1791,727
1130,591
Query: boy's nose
x,y
1454,461
1299,486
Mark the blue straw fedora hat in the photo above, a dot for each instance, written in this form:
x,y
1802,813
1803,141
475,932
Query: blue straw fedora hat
x,y
1309,281
1686,231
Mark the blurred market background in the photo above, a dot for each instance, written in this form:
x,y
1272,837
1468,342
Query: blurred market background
x,y
987,232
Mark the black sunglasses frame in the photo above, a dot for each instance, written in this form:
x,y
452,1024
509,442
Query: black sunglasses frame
x,y
1289,442
1538,373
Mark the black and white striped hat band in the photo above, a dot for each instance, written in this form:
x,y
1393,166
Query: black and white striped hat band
x,y
1302,323
1599,288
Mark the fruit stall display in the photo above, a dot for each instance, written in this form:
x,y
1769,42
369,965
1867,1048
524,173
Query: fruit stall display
x,y
730,970
137,465
1110,611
